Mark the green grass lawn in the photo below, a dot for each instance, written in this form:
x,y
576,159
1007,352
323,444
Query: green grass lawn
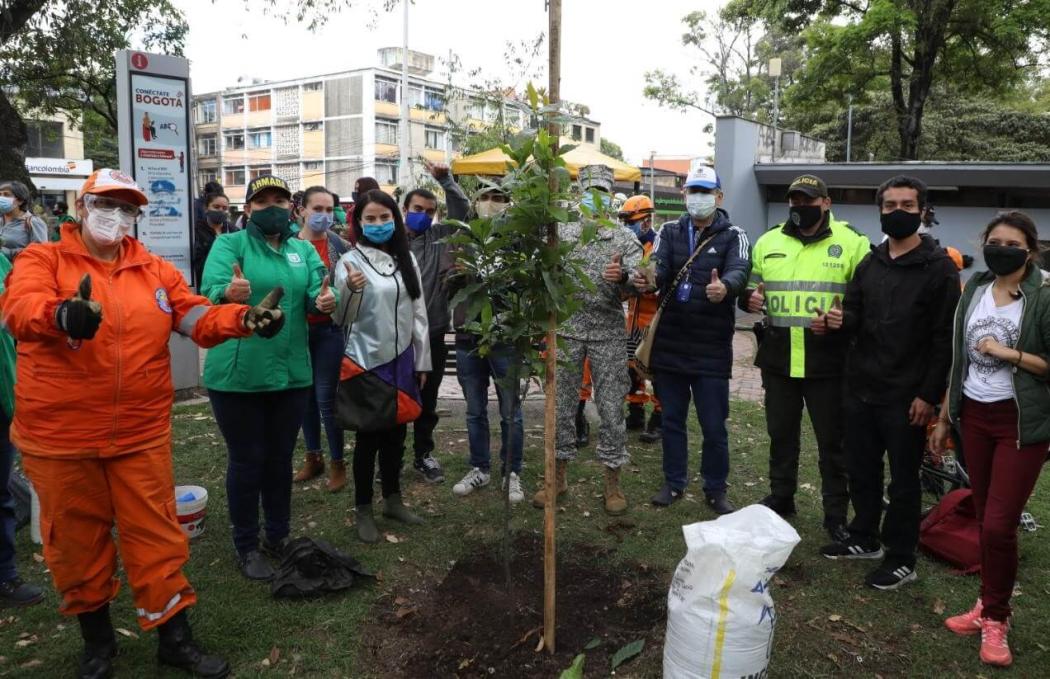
x,y
829,624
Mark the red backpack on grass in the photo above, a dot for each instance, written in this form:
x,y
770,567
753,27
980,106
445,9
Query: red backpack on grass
x,y
950,532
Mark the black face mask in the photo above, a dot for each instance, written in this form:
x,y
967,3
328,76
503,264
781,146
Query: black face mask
x,y
805,217
900,224
1003,260
215,217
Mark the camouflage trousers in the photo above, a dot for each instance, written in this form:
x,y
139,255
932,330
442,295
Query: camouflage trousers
x,y
608,358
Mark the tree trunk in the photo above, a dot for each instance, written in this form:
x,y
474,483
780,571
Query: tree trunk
x,y
932,18
13,139
897,89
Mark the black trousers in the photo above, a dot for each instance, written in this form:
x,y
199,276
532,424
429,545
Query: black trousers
x,y
423,428
874,431
389,446
822,398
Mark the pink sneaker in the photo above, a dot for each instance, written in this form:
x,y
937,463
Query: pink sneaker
x,y
967,623
994,649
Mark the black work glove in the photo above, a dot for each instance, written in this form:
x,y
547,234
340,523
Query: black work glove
x,y
79,316
266,318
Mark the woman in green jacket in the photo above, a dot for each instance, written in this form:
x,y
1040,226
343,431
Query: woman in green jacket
x,y
999,397
259,388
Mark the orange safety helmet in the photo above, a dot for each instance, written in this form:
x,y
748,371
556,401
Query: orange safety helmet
x,y
636,208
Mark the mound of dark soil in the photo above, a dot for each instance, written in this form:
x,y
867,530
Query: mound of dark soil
x,y
470,626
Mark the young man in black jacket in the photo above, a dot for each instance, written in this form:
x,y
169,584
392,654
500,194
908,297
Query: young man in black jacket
x,y
898,309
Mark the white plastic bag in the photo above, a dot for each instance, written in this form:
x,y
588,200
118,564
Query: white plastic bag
x,y
720,615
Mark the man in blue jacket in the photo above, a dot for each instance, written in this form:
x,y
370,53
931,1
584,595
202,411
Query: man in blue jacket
x,y
693,347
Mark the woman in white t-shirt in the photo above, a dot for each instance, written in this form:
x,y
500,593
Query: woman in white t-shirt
x,y
999,397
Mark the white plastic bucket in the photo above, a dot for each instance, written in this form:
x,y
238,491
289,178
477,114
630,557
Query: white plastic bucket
x,y
191,513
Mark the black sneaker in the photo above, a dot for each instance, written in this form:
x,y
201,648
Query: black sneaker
x,y
254,566
666,496
888,577
430,469
719,503
275,550
838,533
635,417
17,593
851,549
784,506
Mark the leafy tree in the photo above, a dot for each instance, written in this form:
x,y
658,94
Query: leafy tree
x,y
611,149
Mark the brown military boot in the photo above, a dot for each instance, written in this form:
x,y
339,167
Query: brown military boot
x,y
336,476
313,467
615,502
539,500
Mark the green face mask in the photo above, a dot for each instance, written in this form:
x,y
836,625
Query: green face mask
x,y
272,220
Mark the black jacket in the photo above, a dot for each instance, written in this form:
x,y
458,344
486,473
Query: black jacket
x,y
434,259
203,239
696,337
899,314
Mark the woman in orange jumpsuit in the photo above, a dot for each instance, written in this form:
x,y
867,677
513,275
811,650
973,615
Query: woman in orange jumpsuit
x,y
92,315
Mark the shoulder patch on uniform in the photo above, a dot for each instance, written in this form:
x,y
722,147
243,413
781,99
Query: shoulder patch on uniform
x,y
853,229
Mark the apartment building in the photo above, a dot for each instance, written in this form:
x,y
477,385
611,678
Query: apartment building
x,y
331,129
54,157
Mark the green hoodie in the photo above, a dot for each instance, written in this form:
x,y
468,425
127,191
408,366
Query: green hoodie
x,y
7,356
1031,392
253,363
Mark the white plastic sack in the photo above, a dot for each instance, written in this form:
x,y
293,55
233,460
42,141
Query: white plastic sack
x,y
720,615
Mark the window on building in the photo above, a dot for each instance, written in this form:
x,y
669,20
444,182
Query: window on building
x,y
232,105
234,177
577,133
476,109
256,172
233,141
45,139
435,138
386,90
590,135
311,127
207,145
386,132
313,166
415,96
314,86
206,111
386,173
433,100
205,176
259,101
260,139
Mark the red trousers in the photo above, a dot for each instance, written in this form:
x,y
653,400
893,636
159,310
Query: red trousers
x,y
1002,476
81,499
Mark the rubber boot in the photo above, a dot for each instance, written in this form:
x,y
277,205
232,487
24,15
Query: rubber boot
x,y
178,649
653,431
366,524
394,508
583,427
635,417
336,476
539,500
313,467
100,644
615,502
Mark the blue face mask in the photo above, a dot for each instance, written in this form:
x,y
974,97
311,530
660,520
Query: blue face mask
x,y
320,221
378,233
588,200
418,221
7,203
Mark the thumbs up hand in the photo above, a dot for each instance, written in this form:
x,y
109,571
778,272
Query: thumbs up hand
x,y
325,301
757,300
266,318
355,280
79,316
716,289
833,319
239,288
819,326
614,270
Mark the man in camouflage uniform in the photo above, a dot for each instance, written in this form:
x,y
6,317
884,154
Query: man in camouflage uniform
x,y
595,332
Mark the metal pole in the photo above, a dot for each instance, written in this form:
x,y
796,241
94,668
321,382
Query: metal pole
x,y
405,142
776,116
849,130
652,180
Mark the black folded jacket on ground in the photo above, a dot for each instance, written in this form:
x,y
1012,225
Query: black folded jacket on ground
x,y
313,568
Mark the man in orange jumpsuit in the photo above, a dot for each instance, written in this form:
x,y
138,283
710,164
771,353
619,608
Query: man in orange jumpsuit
x,y
92,315
637,215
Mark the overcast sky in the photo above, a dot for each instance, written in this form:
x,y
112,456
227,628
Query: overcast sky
x,y
607,46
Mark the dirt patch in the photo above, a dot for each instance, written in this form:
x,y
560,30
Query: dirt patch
x,y
470,626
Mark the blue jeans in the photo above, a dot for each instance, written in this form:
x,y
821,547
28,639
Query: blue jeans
x,y
260,429
7,502
473,373
711,398
326,354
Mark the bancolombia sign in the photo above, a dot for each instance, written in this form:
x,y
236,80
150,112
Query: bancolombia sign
x,y
59,166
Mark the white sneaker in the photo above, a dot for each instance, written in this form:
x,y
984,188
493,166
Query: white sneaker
x,y
474,479
516,493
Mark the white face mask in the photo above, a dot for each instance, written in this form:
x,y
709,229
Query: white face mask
x,y
700,205
488,208
108,226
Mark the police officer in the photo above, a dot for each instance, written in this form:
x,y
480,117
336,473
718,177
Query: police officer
x,y
800,270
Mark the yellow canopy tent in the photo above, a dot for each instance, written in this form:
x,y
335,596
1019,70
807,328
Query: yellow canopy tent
x,y
494,162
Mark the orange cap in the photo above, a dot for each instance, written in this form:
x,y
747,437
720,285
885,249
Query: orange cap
x,y
636,207
115,183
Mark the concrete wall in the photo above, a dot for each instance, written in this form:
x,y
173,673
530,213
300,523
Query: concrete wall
x,y
736,146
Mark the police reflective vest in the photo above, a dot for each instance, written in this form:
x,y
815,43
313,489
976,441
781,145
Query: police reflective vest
x,y
802,275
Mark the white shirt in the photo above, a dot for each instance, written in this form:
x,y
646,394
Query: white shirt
x,y
989,379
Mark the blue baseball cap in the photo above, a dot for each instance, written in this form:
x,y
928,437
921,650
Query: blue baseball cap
x,y
704,177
